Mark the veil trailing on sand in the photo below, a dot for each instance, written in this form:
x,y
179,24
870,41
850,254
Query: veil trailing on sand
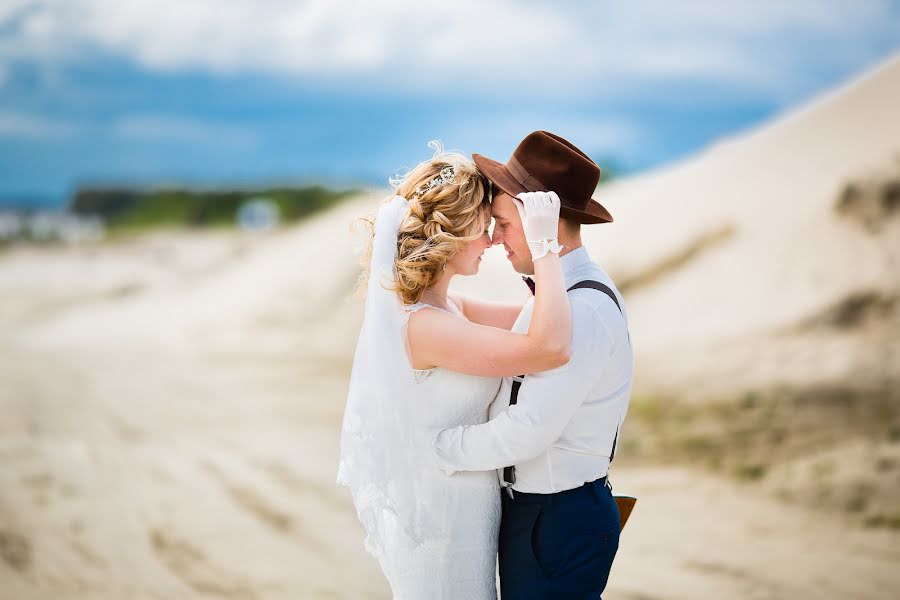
x,y
378,459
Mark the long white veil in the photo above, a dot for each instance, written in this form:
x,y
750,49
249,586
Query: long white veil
x,y
379,461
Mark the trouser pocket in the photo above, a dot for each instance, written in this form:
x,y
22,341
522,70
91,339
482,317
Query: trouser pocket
x,y
572,540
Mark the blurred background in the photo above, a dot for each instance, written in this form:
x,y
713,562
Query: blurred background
x,y
178,182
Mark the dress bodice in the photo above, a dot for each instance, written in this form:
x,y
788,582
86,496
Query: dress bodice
x,y
450,398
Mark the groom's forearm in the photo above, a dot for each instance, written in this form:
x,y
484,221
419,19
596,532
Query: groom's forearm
x,y
508,439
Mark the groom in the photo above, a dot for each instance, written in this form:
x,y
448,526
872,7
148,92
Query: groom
x,y
552,435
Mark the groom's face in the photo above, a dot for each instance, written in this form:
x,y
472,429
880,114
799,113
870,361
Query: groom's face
x,y
508,231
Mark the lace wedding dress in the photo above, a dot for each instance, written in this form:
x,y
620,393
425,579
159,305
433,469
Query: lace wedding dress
x,y
435,536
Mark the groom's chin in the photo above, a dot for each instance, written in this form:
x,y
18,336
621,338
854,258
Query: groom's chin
x,y
521,269
518,267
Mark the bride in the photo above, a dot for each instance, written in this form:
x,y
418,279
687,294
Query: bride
x,y
429,359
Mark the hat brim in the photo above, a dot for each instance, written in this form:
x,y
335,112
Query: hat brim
x,y
593,212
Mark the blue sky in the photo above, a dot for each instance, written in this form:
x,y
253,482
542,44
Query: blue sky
x,y
214,92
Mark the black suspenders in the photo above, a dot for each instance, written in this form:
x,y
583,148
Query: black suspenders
x,y
509,473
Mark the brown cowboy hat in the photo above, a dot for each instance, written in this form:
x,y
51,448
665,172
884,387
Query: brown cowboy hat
x,y
545,162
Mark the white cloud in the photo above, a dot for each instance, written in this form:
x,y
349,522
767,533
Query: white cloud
x,y
423,47
167,128
24,125
595,135
130,127
312,37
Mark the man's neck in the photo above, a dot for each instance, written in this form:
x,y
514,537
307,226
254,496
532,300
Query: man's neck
x,y
569,244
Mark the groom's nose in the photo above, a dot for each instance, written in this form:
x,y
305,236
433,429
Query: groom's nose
x,y
496,238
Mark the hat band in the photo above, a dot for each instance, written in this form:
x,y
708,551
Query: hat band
x,y
532,183
525,179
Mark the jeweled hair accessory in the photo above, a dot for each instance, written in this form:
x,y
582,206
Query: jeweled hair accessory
x,y
447,175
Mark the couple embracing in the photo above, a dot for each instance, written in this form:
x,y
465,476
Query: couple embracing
x,y
475,430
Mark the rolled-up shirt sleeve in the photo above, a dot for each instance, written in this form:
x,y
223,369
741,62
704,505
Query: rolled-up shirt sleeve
x,y
546,403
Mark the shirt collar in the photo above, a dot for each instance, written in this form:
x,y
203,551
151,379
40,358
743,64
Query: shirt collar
x,y
573,261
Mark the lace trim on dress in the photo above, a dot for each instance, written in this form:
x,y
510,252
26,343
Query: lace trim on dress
x,y
421,375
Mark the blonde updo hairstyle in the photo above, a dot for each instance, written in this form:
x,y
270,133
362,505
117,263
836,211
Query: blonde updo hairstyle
x,y
441,219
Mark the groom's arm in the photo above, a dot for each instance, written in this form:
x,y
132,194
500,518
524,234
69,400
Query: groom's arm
x,y
546,402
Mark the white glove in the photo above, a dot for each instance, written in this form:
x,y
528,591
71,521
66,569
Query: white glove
x,y
539,212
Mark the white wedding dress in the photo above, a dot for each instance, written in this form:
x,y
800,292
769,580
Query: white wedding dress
x,y
435,536
460,560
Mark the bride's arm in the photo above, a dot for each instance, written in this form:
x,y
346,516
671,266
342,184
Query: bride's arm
x,y
438,338
485,312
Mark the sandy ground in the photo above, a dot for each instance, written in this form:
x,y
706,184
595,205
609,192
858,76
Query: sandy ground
x,y
169,419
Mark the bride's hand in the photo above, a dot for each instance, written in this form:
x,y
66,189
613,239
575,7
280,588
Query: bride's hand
x,y
539,212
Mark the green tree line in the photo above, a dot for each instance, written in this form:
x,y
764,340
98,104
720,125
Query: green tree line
x,y
124,208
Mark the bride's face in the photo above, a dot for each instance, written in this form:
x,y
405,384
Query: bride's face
x,y
467,260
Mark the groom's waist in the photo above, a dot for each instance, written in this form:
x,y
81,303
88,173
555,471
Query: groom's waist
x,y
536,498
558,470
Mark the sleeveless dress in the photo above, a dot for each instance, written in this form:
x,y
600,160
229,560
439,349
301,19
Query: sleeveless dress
x,y
459,560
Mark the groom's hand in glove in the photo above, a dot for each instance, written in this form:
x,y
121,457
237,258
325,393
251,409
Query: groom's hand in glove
x,y
539,212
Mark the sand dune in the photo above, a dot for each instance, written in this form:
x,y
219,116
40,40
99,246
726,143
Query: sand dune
x,y
766,249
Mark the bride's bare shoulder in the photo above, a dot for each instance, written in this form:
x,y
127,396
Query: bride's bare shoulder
x,y
428,316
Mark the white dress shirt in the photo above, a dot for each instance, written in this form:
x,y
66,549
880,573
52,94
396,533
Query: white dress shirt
x,y
560,433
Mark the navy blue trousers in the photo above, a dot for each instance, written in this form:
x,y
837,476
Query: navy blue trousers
x,y
558,546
